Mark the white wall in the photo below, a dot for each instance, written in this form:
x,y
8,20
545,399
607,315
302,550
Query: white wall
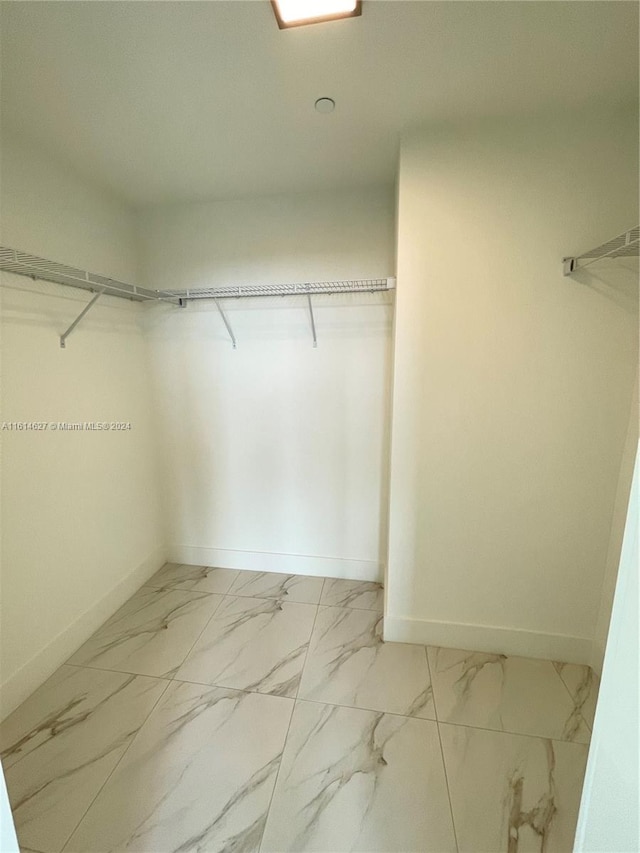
x,y
512,383
81,524
8,839
48,210
618,519
608,819
275,453
268,239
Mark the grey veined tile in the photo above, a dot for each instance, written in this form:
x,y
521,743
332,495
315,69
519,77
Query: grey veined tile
x,y
583,685
300,588
151,634
349,664
253,644
510,694
359,781
512,793
363,595
199,776
59,747
197,578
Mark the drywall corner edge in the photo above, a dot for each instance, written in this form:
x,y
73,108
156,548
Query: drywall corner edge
x,y
494,639
291,564
43,664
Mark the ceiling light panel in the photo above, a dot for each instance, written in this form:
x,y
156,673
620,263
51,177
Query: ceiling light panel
x,y
297,13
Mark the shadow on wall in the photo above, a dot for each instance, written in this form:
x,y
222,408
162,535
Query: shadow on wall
x,y
617,283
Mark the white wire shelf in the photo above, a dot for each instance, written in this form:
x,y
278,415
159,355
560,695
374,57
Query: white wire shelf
x,y
25,264
308,289
626,245
365,285
22,263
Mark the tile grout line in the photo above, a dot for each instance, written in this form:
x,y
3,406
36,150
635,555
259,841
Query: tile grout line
x,y
298,698
149,589
306,657
169,680
573,698
75,666
444,763
117,764
286,737
515,734
232,595
275,781
222,595
118,671
257,595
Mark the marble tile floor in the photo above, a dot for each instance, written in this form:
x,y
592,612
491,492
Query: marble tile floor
x,y
232,711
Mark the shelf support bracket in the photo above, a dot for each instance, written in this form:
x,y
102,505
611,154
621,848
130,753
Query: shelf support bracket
x,y
313,322
569,265
85,310
226,322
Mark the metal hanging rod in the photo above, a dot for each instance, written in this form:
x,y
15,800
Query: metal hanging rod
x,y
34,267
366,285
626,245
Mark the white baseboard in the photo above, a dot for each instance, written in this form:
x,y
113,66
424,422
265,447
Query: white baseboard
x,y
45,662
488,638
290,564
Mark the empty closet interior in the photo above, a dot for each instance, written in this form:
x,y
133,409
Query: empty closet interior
x,y
397,342
468,448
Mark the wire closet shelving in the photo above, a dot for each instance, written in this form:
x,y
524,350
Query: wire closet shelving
x,y
625,245
22,263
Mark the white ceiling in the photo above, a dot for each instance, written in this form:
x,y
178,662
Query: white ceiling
x,y
165,101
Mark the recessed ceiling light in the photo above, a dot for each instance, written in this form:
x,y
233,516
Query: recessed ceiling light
x,y
325,105
297,13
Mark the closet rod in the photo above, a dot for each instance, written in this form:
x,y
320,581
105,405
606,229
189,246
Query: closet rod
x,y
625,245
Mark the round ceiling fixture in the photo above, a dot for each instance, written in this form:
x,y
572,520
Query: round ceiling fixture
x,y
325,105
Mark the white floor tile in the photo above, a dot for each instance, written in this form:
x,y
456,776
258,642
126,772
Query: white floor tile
x,y
363,595
199,776
197,578
92,766
359,781
304,590
583,685
512,793
253,644
508,694
60,746
349,664
151,634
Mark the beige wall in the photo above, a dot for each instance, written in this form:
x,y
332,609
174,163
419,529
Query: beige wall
x,y
81,524
512,384
313,236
